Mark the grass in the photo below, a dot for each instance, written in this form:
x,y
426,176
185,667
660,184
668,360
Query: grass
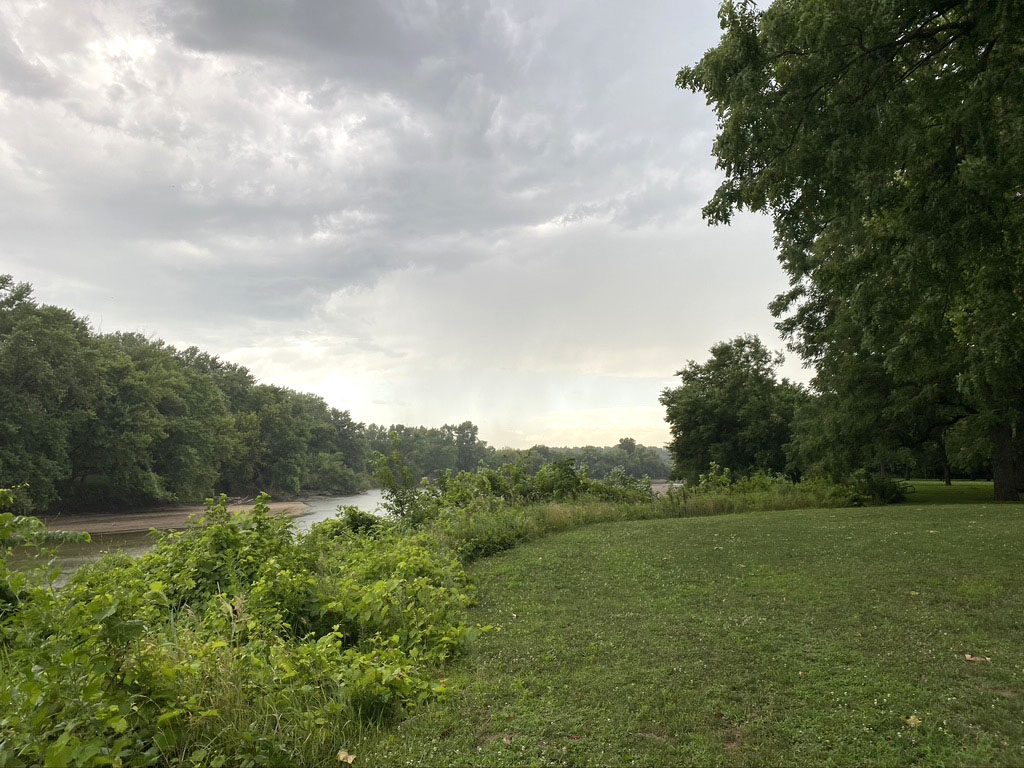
x,y
960,492
799,637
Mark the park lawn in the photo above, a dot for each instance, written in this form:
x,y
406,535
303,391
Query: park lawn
x,y
802,637
960,492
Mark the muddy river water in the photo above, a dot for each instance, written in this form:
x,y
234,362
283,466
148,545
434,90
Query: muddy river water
x,y
71,557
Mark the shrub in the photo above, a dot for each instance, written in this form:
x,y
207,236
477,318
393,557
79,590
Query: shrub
x,y
867,489
719,494
235,641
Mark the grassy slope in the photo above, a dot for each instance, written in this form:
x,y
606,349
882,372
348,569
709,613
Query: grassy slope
x,y
782,637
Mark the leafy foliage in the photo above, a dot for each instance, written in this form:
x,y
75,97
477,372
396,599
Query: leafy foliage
x,y
887,143
94,420
637,461
731,411
233,640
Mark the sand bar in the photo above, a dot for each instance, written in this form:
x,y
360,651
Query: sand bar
x,y
161,518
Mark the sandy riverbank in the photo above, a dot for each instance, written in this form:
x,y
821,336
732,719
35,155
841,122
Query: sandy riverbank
x,y
176,518
161,518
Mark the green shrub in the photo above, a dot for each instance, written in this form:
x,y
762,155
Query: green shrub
x,y
868,489
237,641
719,494
621,487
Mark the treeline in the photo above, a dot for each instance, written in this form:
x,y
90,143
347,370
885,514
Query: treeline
x,y
94,420
733,411
107,421
633,459
427,452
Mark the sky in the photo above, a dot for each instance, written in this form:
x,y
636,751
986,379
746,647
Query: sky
x,y
424,212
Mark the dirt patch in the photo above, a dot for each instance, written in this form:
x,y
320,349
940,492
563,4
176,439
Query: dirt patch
x,y
660,489
160,518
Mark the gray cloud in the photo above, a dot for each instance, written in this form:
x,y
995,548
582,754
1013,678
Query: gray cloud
x,y
368,199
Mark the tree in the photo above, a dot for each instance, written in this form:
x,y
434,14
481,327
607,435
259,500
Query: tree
x,y
861,417
887,142
731,410
48,389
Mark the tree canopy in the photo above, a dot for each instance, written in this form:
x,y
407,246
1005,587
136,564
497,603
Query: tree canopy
x,y
106,421
732,411
90,420
886,139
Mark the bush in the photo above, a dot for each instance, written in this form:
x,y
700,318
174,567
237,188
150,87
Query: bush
x,y
719,494
236,641
868,489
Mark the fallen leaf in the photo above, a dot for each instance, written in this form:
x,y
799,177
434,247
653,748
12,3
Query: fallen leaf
x,y
913,721
345,757
508,741
977,659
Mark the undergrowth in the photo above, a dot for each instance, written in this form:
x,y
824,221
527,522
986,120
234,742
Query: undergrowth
x,y
243,642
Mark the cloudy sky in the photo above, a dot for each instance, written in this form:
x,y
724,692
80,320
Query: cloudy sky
x,y
424,211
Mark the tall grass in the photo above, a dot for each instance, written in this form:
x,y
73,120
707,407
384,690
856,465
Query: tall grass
x,y
484,527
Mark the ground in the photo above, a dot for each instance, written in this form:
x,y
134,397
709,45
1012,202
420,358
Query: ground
x,y
883,636
159,518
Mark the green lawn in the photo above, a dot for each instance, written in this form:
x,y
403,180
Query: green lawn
x,y
802,637
960,492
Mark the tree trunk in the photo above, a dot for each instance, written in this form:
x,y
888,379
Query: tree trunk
x,y
1008,462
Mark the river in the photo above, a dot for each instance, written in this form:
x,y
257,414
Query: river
x,y
71,557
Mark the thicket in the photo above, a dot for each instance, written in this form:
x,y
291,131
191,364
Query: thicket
x,y
235,642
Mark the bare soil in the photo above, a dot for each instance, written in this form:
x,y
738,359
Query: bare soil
x,y
161,518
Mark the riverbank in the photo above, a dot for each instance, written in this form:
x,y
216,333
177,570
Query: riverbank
x,y
161,518
176,518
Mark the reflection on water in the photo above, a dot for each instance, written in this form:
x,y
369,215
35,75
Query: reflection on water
x,y
70,557
327,507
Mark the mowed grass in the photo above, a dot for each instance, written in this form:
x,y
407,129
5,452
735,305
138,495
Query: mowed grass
x,y
783,638
960,492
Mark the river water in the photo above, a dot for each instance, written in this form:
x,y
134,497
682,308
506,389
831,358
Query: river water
x,y
71,557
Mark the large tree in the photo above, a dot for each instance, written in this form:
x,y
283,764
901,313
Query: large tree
x,y
886,139
48,390
731,410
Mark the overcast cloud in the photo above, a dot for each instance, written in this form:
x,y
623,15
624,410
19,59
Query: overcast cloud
x,y
423,211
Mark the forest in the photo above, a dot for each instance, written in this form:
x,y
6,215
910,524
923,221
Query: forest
x,y
107,421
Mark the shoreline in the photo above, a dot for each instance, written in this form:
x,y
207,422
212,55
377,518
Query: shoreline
x,y
176,518
161,518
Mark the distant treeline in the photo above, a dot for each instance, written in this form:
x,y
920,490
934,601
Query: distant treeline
x,y
90,421
635,459
428,451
